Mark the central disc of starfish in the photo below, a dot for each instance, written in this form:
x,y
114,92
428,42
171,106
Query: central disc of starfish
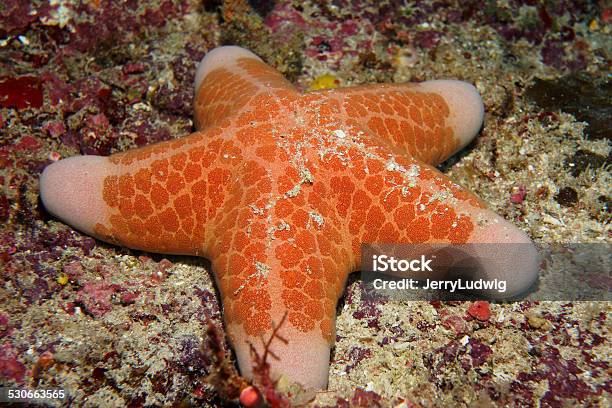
x,y
279,190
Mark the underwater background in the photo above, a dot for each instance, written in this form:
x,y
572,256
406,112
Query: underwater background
x,y
116,327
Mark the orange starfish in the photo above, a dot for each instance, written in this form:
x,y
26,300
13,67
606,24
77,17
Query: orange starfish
x,y
279,189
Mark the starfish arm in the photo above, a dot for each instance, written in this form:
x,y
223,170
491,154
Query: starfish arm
x,y
341,194
231,79
430,121
159,198
387,198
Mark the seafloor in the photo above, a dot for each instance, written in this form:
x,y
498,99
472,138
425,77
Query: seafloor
x,y
116,327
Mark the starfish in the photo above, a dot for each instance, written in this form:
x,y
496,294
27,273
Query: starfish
x,y
279,189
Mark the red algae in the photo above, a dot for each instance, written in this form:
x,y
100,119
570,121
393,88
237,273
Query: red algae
x,y
10,367
519,196
480,310
21,92
96,298
16,15
363,398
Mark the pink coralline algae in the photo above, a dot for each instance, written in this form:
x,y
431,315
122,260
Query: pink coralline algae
x,y
4,325
427,39
55,128
284,18
118,21
479,352
363,398
127,298
96,298
27,143
469,356
370,311
356,355
133,68
74,270
519,196
10,367
16,15
563,378
455,323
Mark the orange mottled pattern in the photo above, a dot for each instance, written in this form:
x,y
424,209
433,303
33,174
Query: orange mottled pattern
x,y
280,190
412,122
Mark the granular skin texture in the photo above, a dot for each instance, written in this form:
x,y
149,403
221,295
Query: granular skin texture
x,y
280,189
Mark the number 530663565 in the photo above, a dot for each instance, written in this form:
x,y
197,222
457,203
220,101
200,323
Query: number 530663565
x,y
20,394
